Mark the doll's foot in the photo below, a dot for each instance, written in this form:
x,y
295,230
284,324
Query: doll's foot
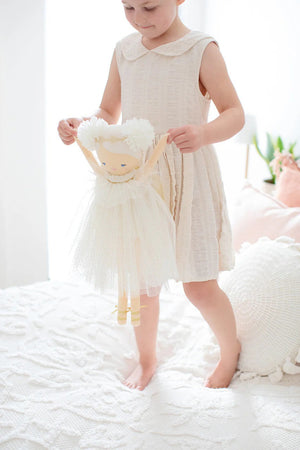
x,y
141,376
224,370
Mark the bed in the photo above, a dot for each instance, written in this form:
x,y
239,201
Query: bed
x,y
63,356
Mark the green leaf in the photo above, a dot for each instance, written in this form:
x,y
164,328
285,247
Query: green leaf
x,y
291,149
280,143
255,142
270,148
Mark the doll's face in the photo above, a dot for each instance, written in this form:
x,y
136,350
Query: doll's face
x,y
115,163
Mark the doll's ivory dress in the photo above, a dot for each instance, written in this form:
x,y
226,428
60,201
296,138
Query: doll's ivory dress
x,y
162,85
120,210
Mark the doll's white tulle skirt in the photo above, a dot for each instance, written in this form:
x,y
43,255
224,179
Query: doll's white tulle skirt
x,y
126,237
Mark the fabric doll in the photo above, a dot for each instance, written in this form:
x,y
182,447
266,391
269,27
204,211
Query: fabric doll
x,y
126,240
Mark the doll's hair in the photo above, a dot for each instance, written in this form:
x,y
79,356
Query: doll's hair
x,y
137,133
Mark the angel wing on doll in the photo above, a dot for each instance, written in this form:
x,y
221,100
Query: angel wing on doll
x,y
126,239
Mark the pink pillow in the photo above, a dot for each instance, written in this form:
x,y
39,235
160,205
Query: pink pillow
x,y
288,187
257,214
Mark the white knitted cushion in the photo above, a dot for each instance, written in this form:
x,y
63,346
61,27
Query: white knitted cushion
x,y
264,290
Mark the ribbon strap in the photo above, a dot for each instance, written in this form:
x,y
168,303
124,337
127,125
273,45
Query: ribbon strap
x,y
128,308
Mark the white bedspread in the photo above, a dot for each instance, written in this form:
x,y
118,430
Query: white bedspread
x,y
63,355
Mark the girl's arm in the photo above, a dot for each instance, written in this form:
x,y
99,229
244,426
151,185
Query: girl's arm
x,y
215,79
110,107
109,110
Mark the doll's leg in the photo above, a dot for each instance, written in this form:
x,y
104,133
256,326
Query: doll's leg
x,y
135,310
122,308
122,301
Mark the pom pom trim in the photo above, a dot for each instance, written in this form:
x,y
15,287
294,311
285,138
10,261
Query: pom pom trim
x,y
137,133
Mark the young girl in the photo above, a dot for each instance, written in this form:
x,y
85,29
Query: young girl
x,y
168,74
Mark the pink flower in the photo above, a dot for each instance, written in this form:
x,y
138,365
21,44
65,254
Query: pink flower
x,y
283,159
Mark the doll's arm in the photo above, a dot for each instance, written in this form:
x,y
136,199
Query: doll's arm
x,y
90,158
154,157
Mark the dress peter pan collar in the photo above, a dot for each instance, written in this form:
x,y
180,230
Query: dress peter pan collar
x,y
133,48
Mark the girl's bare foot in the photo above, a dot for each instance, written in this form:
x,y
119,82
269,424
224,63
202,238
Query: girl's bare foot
x,y
224,370
141,376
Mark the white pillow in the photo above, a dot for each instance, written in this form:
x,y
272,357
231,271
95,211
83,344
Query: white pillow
x,y
264,290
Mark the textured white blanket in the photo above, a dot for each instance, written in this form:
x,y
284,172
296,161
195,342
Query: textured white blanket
x,y
62,356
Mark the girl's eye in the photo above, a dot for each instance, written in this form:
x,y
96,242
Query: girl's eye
x,y
104,163
130,8
122,165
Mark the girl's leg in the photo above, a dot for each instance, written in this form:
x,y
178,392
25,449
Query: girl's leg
x,y
216,309
146,335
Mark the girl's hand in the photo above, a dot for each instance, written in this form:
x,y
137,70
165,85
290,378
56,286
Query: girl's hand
x,y
67,129
188,138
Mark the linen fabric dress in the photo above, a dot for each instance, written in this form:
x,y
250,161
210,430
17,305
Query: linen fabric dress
x,y
162,85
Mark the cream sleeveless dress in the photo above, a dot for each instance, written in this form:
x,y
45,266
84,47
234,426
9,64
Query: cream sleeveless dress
x,y
162,85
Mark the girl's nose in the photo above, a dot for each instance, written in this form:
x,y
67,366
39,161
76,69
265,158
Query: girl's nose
x,y
139,18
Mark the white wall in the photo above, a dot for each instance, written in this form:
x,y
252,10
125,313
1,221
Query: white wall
x,y
193,13
23,209
259,40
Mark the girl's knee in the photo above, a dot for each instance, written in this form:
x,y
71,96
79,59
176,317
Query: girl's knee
x,y
200,290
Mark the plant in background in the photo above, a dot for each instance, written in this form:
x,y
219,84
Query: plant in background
x,y
275,155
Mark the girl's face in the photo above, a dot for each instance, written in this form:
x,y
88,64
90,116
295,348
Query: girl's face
x,y
116,163
151,18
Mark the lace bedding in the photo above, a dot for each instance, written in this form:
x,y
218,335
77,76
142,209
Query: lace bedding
x,y
62,356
